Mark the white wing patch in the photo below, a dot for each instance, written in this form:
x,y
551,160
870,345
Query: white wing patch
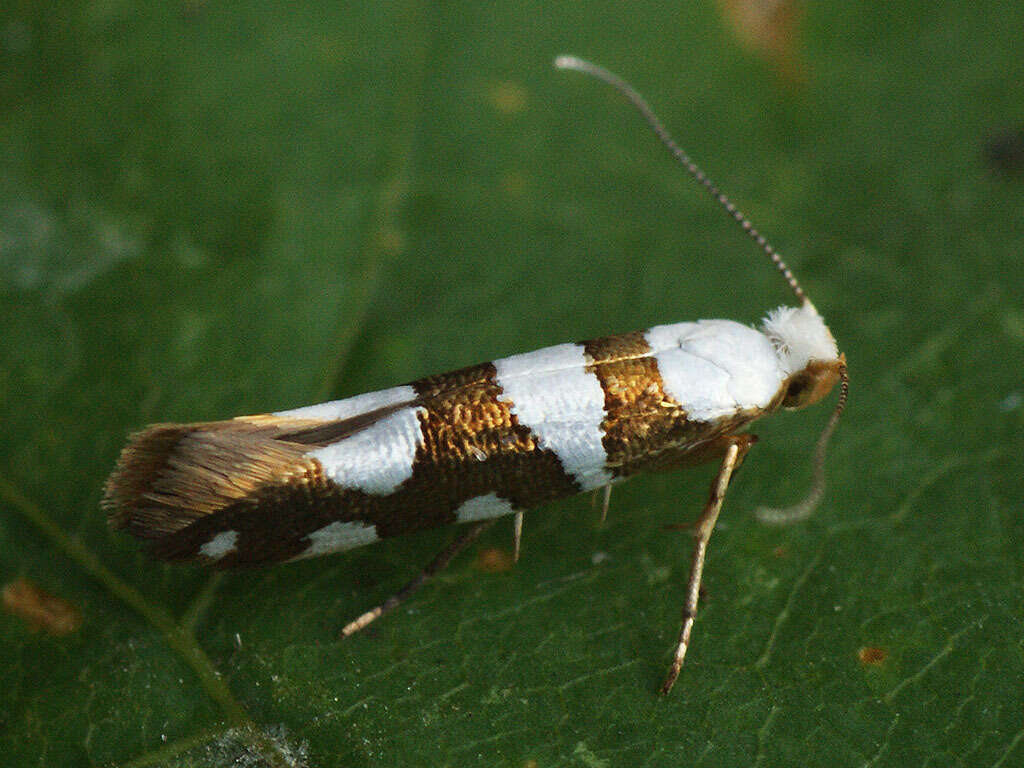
x,y
552,393
337,410
377,459
483,508
701,387
713,368
338,536
224,543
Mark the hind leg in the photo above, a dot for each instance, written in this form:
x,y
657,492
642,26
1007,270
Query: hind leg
x,y
435,566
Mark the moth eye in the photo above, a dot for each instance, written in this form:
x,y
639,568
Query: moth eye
x,y
796,392
796,388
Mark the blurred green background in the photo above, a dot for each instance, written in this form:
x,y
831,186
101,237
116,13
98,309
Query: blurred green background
x,y
211,210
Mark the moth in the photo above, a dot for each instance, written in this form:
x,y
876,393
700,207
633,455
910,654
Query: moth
x,y
485,441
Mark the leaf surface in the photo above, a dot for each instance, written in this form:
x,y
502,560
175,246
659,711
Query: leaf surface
x,y
208,211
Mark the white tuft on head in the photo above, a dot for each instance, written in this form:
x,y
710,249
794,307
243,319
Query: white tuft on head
x,y
799,335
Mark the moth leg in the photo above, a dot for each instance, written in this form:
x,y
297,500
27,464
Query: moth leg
x,y
606,497
517,535
736,449
432,568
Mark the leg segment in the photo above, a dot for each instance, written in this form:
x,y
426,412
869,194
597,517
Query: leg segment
x,y
435,566
517,535
605,492
736,449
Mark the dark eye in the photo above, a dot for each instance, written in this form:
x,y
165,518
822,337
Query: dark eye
x,y
797,387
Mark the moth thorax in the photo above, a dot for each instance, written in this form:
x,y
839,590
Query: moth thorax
x,y
807,354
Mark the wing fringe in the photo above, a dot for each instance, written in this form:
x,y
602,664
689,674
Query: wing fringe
x,y
170,475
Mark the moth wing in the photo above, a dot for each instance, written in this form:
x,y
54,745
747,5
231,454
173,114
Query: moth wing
x,y
170,475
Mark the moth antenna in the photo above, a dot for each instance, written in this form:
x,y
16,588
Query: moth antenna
x,y
638,101
803,508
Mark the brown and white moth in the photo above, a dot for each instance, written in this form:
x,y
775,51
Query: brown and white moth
x,y
489,440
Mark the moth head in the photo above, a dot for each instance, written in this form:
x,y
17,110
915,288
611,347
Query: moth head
x,y
811,366
812,383
807,354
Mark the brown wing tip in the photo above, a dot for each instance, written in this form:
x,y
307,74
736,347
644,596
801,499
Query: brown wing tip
x,y
139,466
170,475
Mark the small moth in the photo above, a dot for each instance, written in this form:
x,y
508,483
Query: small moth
x,y
490,440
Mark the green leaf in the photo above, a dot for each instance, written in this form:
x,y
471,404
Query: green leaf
x,y
212,210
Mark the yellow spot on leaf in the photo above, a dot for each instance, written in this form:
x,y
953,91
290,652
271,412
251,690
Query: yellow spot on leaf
x,y
508,97
769,28
42,611
872,656
493,560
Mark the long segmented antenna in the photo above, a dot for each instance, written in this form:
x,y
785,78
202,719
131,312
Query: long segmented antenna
x,y
775,515
638,101
803,508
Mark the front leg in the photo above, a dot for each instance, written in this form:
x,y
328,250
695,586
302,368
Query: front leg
x,y
736,448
